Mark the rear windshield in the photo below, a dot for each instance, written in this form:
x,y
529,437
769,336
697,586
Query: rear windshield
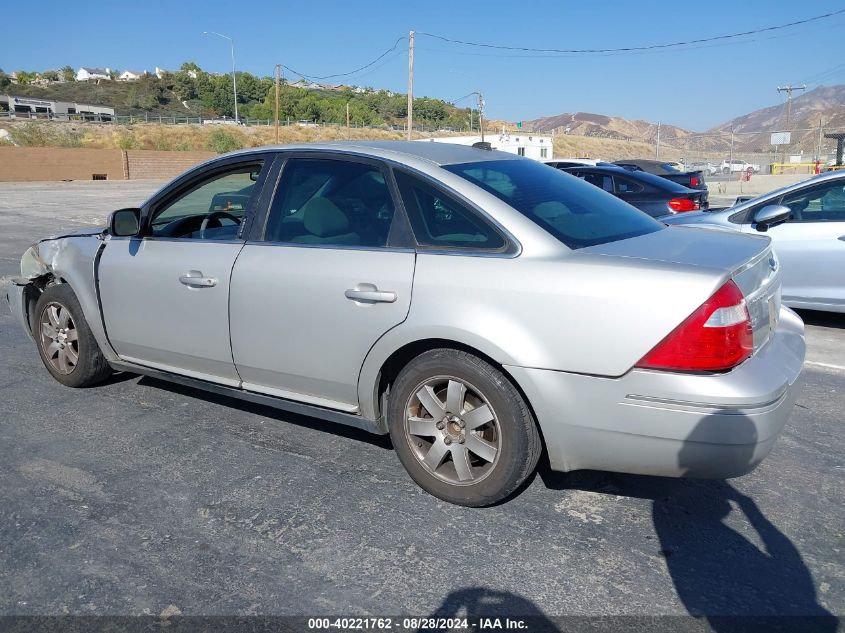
x,y
575,212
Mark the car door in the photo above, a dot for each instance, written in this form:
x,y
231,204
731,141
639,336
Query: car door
x,y
811,245
324,279
165,294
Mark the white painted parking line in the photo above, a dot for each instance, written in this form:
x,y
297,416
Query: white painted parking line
x,y
825,365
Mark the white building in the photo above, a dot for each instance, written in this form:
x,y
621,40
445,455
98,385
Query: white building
x,y
131,75
89,74
160,72
32,108
528,144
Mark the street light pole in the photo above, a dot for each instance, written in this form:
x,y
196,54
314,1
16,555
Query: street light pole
x,y
234,80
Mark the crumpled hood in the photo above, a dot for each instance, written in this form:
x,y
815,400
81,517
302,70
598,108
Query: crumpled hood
x,y
91,230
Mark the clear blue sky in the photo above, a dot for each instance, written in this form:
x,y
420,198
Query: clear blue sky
x,y
695,87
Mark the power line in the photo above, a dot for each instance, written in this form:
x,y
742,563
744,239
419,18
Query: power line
x,y
351,72
632,48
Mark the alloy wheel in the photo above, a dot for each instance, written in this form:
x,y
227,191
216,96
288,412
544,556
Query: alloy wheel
x,y
59,338
453,430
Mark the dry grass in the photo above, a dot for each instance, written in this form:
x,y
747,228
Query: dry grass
x,y
208,137
571,146
185,137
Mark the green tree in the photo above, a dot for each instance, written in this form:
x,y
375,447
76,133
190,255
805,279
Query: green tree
x,y
50,75
25,78
68,74
4,79
184,86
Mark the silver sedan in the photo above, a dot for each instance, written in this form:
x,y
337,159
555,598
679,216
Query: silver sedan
x,y
481,308
806,222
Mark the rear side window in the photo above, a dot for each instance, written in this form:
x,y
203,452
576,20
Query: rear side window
x,y
624,185
441,221
599,180
575,212
330,203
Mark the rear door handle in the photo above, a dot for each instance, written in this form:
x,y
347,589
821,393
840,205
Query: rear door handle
x,y
369,293
195,279
841,238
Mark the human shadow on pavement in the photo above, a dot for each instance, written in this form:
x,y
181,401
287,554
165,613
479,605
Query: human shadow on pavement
x,y
728,562
475,603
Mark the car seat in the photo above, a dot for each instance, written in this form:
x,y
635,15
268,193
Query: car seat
x,y
325,223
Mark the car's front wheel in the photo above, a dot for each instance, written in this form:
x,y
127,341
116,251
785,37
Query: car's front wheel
x,y
461,429
65,342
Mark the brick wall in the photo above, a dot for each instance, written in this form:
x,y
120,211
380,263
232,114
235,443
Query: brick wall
x,y
162,165
50,163
18,164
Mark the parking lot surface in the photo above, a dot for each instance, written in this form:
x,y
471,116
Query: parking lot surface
x,y
143,497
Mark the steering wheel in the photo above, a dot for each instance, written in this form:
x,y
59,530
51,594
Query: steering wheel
x,y
216,216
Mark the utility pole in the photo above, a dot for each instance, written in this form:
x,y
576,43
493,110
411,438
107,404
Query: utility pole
x,y
657,152
819,150
347,119
730,162
481,115
278,79
788,89
410,83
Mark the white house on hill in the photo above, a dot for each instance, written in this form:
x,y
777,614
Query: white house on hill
x,y
88,74
131,75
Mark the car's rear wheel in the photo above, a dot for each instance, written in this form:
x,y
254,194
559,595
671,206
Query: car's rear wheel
x,y
461,429
65,342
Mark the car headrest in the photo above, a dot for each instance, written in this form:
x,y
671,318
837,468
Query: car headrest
x,y
321,217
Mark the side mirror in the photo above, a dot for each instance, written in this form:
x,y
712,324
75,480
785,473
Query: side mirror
x,y
770,215
125,222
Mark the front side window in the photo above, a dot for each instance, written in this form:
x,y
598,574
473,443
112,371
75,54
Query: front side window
x,y
212,210
823,203
331,203
575,212
440,221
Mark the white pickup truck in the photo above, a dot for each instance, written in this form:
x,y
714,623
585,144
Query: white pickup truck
x,y
735,166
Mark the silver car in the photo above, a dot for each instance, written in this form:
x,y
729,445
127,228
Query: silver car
x,y
806,222
481,308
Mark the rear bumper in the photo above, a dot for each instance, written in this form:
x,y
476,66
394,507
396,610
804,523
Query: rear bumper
x,y
660,423
16,298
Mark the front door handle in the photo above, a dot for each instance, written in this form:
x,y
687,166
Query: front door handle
x,y
369,293
195,279
841,238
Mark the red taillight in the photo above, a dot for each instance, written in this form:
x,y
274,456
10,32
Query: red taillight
x,y
715,337
680,205
693,181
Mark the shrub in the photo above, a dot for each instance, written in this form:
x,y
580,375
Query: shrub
x,y
222,141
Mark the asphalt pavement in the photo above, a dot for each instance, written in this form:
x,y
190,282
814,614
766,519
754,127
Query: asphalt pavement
x,y
141,497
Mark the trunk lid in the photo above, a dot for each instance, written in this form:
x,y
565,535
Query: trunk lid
x,y
747,259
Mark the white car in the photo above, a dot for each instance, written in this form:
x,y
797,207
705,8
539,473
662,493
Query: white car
x,y
709,169
737,166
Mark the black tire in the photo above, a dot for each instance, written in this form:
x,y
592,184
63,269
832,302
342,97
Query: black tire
x,y
90,366
514,428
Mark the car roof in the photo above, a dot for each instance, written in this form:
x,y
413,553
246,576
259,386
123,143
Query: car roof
x,y
651,179
402,151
